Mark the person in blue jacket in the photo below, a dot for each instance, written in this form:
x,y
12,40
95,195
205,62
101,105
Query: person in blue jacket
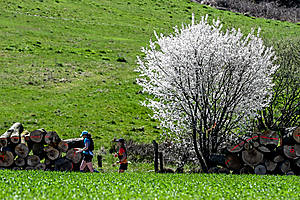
x,y
87,152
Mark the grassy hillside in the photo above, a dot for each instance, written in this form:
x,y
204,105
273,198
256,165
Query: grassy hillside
x,y
67,65
58,185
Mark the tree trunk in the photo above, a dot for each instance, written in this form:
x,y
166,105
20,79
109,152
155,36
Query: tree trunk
x,y
260,170
16,134
15,128
252,157
20,162
21,150
52,153
52,138
289,152
247,170
63,146
75,143
270,165
63,164
270,139
232,161
6,159
37,135
73,156
161,162
155,155
33,160
99,159
40,166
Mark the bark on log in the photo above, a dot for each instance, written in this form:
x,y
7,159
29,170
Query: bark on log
x,y
37,135
52,153
252,157
269,138
33,160
270,165
297,163
289,151
63,146
6,159
73,156
22,150
63,164
16,127
20,162
233,162
235,148
52,138
16,134
260,170
75,143
297,149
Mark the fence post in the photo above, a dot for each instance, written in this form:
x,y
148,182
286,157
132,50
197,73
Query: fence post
x,y
155,155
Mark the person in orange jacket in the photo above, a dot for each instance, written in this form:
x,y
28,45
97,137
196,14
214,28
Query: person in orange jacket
x,y
122,155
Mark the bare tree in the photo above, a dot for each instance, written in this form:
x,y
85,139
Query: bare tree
x,y
206,84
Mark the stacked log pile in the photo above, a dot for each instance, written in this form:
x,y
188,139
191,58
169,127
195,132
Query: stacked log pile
x,y
265,153
38,150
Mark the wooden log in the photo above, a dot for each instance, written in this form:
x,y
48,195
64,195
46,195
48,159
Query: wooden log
x,y
15,136
38,149
285,166
297,163
232,162
52,138
37,135
29,168
25,137
252,157
22,150
20,162
235,148
269,139
248,146
75,143
52,153
297,149
40,166
213,170
289,151
63,146
33,160
278,158
73,156
63,164
270,165
224,170
246,170
291,136
6,158
155,155
290,172
17,168
256,144
263,149
15,128
260,170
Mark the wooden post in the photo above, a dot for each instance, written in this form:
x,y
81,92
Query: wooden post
x,y
155,155
161,162
99,159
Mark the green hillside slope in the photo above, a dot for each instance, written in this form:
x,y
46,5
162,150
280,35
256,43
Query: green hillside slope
x,y
68,65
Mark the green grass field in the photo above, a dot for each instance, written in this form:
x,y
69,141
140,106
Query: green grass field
x,y
59,185
68,65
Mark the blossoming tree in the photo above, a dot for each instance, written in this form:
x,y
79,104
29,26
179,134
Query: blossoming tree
x,y
206,84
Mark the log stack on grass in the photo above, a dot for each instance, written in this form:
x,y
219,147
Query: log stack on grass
x,y
265,153
38,150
